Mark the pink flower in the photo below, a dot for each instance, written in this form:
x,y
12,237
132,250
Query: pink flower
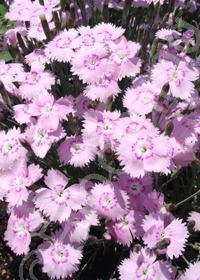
x,y
37,55
134,126
35,81
61,48
156,230
142,99
17,180
140,155
192,273
11,149
195,217
99,127
179,77
41,139
10,72
106,32
127,228
167,34
36,31
123,55
144,266
108,201
63,200
137,189
60,259
86,36
90,63
79,223
103,89
18,233
49,110
76,151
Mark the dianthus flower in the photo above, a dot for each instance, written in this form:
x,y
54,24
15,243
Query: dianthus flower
x,y
17,180
136,188
192,273
11,149
109,201
41,139
99,127
77,151
78,225
106,32
50,111
91,63
33,82
61,48
167,34
140,155
142,99
59,258
18,233
63,200
144,266
123,56
103,89
156,231
127,228
134,126
179,77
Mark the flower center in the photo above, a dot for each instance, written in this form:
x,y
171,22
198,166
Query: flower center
x,y
63,43
107,201
60,254
92,62
40,134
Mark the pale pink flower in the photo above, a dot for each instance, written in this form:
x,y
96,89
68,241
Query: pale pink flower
x,y
77,151
59,258
35,81
11,149
50,112
108,201
91,63
99,127
156,230
179,77
106,32
18,233
37,55
17,180
167,34
141,100
63,200
127,228
102,90
86,36
134,125
192,273
41,139
144,266
123,56
78,225
61,48
140,155
137,189
10,72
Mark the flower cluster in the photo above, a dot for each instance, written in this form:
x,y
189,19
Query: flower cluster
x,y
82,102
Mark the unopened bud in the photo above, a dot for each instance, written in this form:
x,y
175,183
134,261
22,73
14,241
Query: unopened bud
x,y
163,244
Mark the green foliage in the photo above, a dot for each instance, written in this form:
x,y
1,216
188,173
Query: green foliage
x,y
5,24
